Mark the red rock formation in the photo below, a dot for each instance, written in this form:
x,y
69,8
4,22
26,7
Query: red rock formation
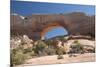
x,y
35,26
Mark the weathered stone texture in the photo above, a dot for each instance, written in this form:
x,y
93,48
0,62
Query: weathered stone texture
x,y
35,26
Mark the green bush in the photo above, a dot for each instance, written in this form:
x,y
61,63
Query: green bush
x,y
41,45
32,53
59,51
17,57
49,42
76,48
60,57
27,50
50,51
40,48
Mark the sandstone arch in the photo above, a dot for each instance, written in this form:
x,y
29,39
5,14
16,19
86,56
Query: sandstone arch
x,y
36,25
50,27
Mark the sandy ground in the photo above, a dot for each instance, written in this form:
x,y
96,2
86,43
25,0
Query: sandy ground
x,y
88,57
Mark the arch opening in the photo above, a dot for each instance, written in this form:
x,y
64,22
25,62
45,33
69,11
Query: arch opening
x,y
54,31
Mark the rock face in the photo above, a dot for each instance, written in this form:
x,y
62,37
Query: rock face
x,y
35,26
23,41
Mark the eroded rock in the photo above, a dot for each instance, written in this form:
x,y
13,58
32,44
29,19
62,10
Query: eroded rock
x,y
35,26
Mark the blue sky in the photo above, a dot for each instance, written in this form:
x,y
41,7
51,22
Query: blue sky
x,y
59,31
28,8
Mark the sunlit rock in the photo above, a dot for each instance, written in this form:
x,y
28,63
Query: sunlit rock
x,y
35,26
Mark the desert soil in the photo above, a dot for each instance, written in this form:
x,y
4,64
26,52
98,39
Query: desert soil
x,y
87,57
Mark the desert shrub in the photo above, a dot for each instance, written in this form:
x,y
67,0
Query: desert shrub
x,y
32,53
59,51
52,43
76,48
41,45
49,42
65,49
19,54
17,57
60,57
40,48
50,51
27,50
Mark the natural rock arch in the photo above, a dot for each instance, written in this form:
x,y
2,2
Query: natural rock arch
x,y
50,27
36,25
